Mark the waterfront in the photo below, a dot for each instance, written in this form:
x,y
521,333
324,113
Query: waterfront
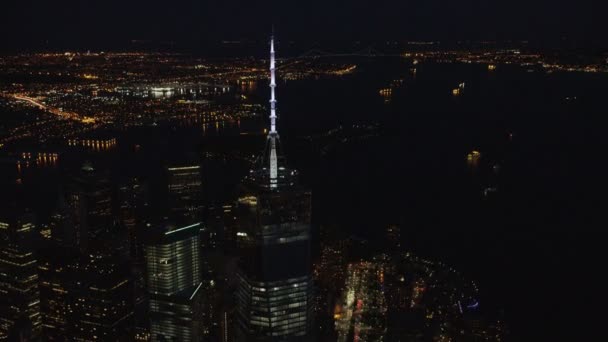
x,y
372,162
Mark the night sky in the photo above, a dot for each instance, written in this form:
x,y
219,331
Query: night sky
x,y
539,249
111,23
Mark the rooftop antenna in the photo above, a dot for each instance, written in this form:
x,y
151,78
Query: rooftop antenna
x,y
273,135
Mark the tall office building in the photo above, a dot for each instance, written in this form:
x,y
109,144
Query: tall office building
x,y
85,297
89,197
19,294
274,294
174,282
86,281
100,299
185,190
55,290
133,209
61,223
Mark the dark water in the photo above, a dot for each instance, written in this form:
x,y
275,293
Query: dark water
x,y
534,245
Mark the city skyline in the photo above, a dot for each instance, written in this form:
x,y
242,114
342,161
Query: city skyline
x,y
233,172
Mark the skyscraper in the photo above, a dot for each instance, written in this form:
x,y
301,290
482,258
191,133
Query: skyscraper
x,y
132,209
174,282
89,197
19,294
185,186
56,287
100,299
61,223
85,296
274,294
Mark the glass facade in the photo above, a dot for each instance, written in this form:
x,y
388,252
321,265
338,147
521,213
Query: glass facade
x,y
86,297
100,305
55,291
184,186
274,294
174,282
274,309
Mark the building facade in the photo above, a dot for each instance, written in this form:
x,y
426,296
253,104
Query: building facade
x,y
100,300
185,190
19,294
89,198
174,282
274,283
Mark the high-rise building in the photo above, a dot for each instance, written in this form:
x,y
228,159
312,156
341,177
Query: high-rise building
x,y
185,189
61,223
55,290
132,205
86,281
220,227
85,297
89,197
100,302
174,281
19,294
133,210
274,294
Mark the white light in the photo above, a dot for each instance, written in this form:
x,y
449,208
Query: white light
x,y
273,117
180,229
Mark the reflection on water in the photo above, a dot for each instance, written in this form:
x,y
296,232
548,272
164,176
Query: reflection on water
x,y
248,86
173,91
473,159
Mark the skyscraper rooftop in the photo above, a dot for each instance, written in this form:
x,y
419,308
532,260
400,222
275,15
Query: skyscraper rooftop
x,y
270,171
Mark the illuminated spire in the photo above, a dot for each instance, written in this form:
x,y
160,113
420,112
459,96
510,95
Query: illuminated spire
x,y
273,134
273,101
